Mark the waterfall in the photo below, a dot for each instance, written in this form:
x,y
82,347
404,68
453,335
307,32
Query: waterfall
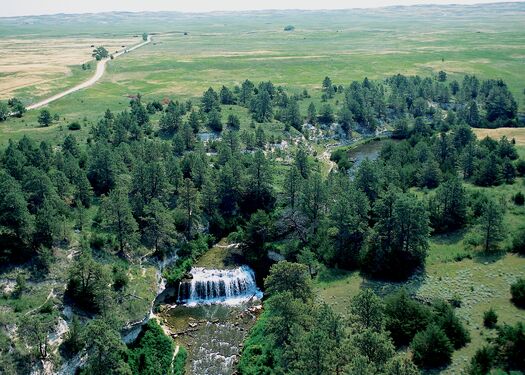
x,y
208,286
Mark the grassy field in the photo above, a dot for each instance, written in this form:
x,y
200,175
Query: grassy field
x,y
225,48
35,68
518,134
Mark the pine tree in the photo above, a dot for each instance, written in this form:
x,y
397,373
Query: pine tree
x,y
194,121
448,207
159,229
118,219
292,187
293,115
189,203
491,225
44,118
312,114
431,348
210,101
367,310
262,107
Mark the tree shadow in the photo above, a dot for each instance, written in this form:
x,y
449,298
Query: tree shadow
x,y
385,287
449,238
329,275
488,257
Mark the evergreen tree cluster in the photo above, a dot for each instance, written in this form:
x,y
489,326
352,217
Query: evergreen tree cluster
x,y
297,335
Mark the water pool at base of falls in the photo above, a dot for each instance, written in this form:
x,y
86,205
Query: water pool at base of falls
x,y
212,286
212,334
214,312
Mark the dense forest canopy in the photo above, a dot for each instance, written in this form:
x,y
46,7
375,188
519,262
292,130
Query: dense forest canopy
x,y
136,189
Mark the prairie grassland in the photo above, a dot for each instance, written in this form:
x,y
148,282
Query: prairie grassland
x,y
518,134
227,48
33,69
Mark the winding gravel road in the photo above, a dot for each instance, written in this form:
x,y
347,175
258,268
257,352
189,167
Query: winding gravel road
x,y
101,68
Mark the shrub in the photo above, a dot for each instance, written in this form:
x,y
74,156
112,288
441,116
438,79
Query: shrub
x,y
256,357
431,348
73,342
519,199
179,363
518,242
233,122
20,286
517,290
153,351
43,260
447,320
507,348
44,118
97,240
482,361
520,167
405,317
490,318
120,278
176,272
456,301
292,277
74,126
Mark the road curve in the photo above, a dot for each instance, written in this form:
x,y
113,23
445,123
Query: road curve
x,y
101,68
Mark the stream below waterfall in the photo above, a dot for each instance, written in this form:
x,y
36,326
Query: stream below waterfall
x,y
215,310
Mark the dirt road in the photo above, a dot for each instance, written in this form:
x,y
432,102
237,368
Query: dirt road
x,y
101,68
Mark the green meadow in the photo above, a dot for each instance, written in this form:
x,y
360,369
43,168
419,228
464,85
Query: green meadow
x,y
227,48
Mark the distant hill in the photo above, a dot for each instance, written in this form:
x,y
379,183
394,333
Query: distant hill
x,y
112,22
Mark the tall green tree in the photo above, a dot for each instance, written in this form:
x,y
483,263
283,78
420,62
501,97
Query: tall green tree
x,y
399,242
258,192
448,207
159,229
491,225
44,118
214,120
189,203
88,283
292,187
431,348
348,220
16,223
210,101
262,107
367,310
35,330
118,219
405,317
4,111
102,168
289,277
326,114
226,96
312,114
255,237
153,353
293,115
106,351
401,365
314,197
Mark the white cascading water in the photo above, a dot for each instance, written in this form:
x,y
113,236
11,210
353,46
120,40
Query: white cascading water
x,y
208,286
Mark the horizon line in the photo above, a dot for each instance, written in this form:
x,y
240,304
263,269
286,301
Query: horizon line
x,y
203,12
